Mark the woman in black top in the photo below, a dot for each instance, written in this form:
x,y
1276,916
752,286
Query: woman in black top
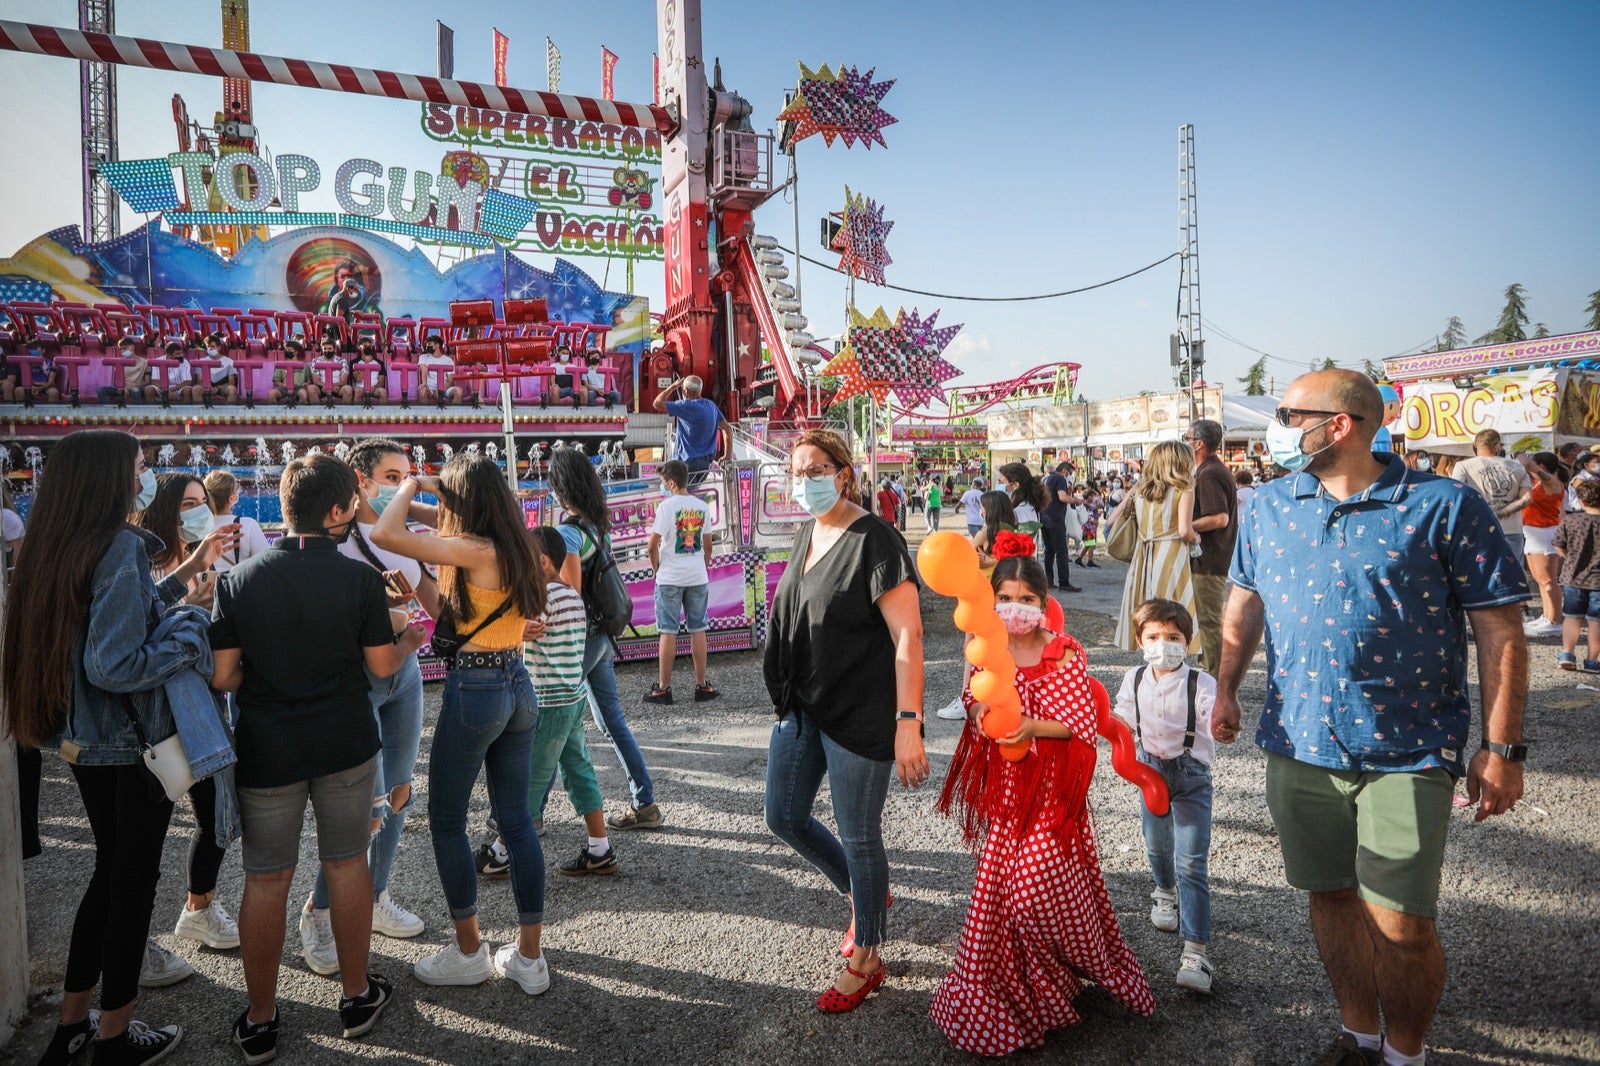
x,y
844,669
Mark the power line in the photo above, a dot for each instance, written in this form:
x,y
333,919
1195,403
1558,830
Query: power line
x,y
995,299
1296,362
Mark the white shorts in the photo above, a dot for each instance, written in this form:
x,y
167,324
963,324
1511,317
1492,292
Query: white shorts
x,y
1539,540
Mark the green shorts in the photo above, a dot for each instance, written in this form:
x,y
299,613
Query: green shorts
x,y
1380,833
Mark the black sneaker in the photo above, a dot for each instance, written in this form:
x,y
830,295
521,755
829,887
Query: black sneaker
x,y
258,1042
360,1014
657,694
138,1046
586,865
491,866
1346,1052
70,1041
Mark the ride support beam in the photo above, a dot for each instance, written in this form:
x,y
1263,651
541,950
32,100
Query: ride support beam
x,y
334,77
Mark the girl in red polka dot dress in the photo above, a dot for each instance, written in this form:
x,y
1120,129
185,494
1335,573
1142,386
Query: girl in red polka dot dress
x,y
1040,922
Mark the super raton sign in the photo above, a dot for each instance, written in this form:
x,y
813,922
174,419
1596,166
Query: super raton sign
x,y
846,105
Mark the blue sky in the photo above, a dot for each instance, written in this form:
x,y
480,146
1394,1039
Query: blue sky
x,y
1364,170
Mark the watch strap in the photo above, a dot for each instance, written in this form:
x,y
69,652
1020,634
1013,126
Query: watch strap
x,y
1510,752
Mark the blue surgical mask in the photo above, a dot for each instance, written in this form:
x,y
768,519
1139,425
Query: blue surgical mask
x,y
147,491
381,500
666,490
197,522
815,494
1284,444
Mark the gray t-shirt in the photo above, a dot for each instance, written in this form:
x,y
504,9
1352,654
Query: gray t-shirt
x,y
1499,481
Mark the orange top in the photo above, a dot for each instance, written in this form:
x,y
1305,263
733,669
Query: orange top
x,y
1544,509
504,633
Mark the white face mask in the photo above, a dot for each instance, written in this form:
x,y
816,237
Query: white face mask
x,y
1165,654
1020,618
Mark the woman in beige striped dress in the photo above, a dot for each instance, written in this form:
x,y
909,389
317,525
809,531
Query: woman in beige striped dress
x,y
1163,501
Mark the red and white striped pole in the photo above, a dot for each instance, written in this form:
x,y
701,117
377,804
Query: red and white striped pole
x,y
335,77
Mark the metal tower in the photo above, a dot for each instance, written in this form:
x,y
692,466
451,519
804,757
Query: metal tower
x,y
1189,336
98,97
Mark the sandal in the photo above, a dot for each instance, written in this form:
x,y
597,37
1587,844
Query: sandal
x,y
659,694
834,1001
705,691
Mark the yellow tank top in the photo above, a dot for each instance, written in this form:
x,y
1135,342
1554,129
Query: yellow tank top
x,y
504,633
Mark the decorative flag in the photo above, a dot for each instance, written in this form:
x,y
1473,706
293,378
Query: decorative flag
x,y
502,44
552,64
447,51
655,77
608,69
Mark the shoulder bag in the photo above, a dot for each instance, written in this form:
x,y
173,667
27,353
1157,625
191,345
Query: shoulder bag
x,y
1122,539
446,641
165,765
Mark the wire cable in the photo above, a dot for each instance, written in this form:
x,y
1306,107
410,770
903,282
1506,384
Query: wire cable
x,y
993,299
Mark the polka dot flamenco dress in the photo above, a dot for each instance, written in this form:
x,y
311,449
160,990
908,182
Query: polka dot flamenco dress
x,y
1040,922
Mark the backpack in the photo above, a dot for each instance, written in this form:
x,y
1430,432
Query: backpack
x,y
605,595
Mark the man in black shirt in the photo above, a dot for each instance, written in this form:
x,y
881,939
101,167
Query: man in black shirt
x,y
293,631
1053,527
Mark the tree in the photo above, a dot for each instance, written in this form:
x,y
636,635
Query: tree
x,y
1325,363
1512,318
1372,370
1254,380
1540,330
1453,337
1593,310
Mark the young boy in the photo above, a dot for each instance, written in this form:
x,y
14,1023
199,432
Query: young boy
x,y
294,633
180,379
224,376
680,552
1168,705
135,378
1578,540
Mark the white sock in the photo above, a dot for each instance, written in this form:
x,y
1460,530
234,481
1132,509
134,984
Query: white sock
x,y
499,851
1191,947
1391,1057
1367,1041
598,846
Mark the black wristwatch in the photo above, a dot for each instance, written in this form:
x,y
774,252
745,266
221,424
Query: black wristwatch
x,y
1508,752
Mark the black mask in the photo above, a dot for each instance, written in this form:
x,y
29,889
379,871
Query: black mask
x,y
344,533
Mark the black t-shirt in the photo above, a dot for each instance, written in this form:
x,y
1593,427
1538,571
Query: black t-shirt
x,y
1215,492
301,613
1055,509
829,653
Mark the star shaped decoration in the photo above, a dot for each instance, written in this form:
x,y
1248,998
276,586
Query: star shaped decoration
x,y
846,105
859,362
860,241
923,348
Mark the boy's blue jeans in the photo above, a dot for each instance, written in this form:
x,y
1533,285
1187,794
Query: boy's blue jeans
x,y
1179,842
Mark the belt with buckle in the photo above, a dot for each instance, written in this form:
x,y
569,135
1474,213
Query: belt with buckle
x,y
481,660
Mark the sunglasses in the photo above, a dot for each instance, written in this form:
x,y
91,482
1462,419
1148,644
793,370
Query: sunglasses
x,y
1284,414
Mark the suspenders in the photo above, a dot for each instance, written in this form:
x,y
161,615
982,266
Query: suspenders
x,y
1188,732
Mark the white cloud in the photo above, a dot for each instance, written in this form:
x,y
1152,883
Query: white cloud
x,y
967,344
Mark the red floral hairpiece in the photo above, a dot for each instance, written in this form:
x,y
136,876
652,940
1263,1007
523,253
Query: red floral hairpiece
x,y
1008,544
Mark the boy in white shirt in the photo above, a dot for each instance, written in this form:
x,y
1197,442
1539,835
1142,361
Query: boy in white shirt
x,y
680,552
428,388
1168,705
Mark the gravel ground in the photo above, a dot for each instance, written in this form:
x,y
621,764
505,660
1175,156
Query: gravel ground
x,y
714,939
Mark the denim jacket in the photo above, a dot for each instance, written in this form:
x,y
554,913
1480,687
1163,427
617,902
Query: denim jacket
x,y
202,721
116,656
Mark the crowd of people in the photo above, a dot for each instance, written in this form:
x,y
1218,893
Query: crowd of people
x,y
289,673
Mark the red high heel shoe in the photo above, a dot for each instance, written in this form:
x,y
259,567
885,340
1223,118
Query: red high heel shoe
x,y
847,946
834,1001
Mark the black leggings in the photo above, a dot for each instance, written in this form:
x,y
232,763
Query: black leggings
x,y
205,858
113,919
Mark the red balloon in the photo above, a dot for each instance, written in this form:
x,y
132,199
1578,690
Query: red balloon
x,y
1124,756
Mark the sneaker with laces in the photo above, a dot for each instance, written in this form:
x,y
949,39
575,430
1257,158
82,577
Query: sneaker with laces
x,y
453,967
952,711
646,817
139,1045
211,925
531,975
161,967
1164,911
316,942
258,1042
391,919
1346,1052
493,861
1195,973
1541,627
359,1014
70,1041
587,865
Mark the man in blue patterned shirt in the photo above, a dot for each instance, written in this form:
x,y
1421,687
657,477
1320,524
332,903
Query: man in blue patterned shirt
x,y
1362,575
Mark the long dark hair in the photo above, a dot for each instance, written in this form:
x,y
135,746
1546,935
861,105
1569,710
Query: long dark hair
x,y
577,488
162,518
1023,568
996,509
82,504
1029,489
474,500
1547,460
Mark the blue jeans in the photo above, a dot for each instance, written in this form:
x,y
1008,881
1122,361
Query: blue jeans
x,y
607,706
1179,842
797,757
487,720
681,608
397,701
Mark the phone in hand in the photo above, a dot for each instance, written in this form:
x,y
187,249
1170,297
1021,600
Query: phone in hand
x,y
395,581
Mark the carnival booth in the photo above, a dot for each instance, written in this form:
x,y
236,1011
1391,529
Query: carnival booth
x,y
1099,437
1244,429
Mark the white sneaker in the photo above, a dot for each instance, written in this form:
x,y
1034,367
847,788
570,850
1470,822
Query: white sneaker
x,y
1195,973
391,919
316,942
532,977
452,967
1164,911
161,967
210,926
1541,627
952,711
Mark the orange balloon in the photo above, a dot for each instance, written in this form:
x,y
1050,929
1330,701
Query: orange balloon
x,y
969,614
986,685
993,630
946,561
986,654
1016,752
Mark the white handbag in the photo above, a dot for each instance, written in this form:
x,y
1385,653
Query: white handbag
x,y
168,763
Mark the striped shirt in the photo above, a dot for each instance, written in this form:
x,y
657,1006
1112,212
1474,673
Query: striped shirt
x,y
555,661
